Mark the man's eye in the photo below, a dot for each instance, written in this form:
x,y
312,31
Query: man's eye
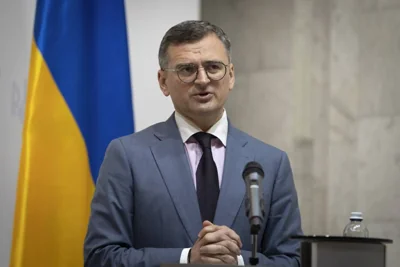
x,y
189,69
214,67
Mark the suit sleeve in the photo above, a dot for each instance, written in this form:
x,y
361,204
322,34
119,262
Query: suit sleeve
x,y
109,238
283,222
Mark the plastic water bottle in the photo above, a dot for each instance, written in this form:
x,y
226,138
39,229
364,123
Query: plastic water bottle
x,y
356,227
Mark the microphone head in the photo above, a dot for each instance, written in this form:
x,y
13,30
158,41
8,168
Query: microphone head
x,y
252,167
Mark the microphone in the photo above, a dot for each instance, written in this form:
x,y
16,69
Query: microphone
x,y
253,175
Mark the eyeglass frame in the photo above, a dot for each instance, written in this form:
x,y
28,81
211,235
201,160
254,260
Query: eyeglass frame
x,y
197,71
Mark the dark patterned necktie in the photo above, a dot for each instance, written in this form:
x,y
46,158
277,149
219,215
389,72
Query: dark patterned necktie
x,y
206,178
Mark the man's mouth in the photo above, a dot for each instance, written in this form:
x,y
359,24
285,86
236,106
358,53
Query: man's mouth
x,y
204,96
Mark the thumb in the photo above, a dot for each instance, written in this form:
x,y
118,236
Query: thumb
x,y
207,223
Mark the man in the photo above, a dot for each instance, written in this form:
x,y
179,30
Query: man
x,y
174,192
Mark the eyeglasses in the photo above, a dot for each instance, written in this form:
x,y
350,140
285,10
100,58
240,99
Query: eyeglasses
x,y
187,73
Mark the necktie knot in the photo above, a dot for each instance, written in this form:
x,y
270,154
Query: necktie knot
x,y
204,139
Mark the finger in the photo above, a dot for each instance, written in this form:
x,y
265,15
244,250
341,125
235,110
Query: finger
x,y
225,230
214,237
208,229
234,236
214,249
231,246
227,259
207,223
223,247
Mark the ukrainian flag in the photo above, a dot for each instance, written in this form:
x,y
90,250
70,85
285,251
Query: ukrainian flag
x,y
78,100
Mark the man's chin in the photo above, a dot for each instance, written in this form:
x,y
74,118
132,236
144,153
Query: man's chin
x,y
207,110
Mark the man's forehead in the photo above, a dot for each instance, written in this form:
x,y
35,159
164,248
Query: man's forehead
x,y
209,46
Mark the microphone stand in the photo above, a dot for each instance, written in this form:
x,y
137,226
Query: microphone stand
x,y
255,228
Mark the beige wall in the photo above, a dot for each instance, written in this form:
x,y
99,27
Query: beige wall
x,y
321,80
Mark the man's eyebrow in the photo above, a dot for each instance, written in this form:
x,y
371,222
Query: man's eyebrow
x,y
184,64
213,61
203,62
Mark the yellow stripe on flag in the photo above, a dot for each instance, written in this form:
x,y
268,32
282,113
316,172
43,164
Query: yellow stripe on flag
x,y
55,186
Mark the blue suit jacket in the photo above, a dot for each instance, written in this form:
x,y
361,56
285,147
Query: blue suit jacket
x,y
145,211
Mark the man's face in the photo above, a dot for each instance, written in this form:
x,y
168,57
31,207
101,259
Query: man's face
x,y
203,96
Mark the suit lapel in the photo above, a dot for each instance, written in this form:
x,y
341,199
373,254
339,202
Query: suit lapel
x,y
172,161
233,187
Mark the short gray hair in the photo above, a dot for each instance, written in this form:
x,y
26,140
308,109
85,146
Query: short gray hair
x,y
190,31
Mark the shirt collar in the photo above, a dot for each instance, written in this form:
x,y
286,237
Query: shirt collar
x,y
187,128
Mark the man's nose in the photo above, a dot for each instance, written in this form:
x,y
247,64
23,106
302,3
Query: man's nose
x,y
202,77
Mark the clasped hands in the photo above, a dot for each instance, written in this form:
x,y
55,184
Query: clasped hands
x,y
216,245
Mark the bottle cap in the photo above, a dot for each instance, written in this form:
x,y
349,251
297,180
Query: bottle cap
x,y
356,215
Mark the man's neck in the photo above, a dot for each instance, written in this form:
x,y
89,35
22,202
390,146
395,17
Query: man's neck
x,y
204,122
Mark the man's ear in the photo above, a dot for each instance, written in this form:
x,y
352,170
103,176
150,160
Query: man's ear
x,y
162,77
231,73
